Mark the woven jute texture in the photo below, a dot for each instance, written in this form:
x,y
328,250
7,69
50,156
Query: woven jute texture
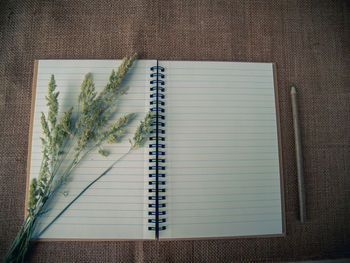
x,y
309,41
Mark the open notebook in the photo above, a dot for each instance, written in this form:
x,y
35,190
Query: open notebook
x,y
218,153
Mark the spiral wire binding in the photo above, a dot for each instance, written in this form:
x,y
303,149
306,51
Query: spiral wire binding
x,y
157,182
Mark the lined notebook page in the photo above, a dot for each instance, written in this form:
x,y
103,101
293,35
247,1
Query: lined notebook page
x,y
116,206
221,150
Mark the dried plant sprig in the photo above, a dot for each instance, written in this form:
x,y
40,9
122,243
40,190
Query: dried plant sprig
x,y
88,128
140,137
96,109
113,88
142,132
52,102
114,134
54,135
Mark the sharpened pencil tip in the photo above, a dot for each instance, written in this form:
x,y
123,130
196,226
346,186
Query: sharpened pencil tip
x,y
292,89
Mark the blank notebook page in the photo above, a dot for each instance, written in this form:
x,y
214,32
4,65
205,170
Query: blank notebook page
x,y
116,206
222,160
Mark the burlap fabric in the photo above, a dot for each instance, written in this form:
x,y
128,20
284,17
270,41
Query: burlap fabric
x,y
309,41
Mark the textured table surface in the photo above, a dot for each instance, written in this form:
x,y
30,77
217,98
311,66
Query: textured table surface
x,y
309,41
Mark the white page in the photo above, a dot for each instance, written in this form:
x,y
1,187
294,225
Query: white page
x,y
222,161
116,206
